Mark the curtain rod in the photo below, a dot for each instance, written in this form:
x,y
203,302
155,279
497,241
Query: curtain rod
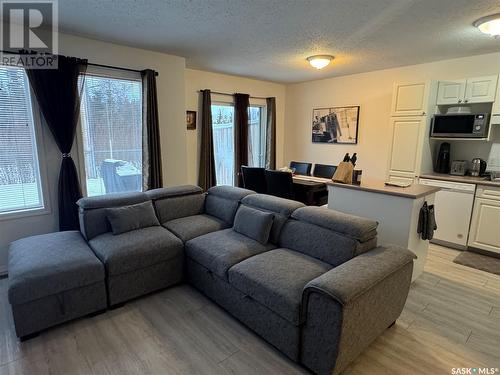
x,y
93,64
228,94
118,68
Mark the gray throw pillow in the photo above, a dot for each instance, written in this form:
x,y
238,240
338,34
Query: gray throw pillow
x,y
253,223
136,216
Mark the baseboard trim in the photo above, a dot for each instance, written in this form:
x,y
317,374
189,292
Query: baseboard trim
x,y
448,244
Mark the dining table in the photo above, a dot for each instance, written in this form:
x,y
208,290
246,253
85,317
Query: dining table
x,y
308,187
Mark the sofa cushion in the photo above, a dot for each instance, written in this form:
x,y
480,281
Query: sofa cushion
x,y
51,263
280,207
136,249
253,223
219,251
92,211
355,227
276,279
136,216
187,228
318,242
179,207
173,191
222,202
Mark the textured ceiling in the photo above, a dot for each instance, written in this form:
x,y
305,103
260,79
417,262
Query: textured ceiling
x,y
270,39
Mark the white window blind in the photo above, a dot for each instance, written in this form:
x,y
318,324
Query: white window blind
x,y
111,119
20,187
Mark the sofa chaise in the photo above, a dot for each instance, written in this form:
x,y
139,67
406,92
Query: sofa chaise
x,y
310,281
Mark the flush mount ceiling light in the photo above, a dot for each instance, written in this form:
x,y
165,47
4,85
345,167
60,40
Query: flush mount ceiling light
x,y
489,25
319,61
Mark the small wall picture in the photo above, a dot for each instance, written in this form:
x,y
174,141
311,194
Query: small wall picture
x,y
191,120
335,125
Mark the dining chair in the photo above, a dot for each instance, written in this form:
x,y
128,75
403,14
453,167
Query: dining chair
x,y
301,168
254,178
280,184
324,170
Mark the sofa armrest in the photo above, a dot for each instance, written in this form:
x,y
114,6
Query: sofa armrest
x,y
348,307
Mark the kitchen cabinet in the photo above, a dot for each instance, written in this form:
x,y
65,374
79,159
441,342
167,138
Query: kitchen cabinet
x,y
481,89
410,99
407,135
496,107
451,92
410,152
484,233
467,91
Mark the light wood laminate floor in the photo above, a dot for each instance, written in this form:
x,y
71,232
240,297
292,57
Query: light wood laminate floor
x,y
451,319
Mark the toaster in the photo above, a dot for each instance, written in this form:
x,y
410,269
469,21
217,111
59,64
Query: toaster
x,y
458,167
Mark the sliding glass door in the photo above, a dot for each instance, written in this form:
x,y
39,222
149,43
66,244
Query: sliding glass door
x,y
223,132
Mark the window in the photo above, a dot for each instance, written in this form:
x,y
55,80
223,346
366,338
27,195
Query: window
x,y
256,136
20,182
111,121
223,133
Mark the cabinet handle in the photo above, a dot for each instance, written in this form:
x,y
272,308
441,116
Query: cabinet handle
x,y
423,113
466,101
460,100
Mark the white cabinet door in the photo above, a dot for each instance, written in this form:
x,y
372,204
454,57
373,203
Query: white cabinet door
x,y
405,151
496,106
481,89
451,92
409,99
484,233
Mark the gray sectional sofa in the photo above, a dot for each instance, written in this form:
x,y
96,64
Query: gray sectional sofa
x,y
310,281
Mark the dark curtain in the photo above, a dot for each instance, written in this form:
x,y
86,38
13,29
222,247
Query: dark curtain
x,y
271,134
206,176
58,94
151,150
241,103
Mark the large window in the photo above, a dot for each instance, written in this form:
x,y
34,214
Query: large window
x,y
20,182
111,120
223,132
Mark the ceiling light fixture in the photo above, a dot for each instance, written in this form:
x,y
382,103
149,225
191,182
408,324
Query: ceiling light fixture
x,y
319,61
489,25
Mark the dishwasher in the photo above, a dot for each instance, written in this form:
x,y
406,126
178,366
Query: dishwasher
x,y
453,211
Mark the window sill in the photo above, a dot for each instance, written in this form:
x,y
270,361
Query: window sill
x,y
14,215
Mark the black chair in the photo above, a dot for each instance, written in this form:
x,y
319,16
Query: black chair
x,y
254,178
301,167
280,184
324,170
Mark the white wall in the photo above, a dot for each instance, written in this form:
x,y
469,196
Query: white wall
x,y
171,102
373,92
199,80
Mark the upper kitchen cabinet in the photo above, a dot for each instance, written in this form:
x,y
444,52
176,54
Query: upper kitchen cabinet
x,y
467,91
451,92
481,89
410,99
496,106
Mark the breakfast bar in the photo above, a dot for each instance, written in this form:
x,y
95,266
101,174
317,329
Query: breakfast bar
x,y
395,208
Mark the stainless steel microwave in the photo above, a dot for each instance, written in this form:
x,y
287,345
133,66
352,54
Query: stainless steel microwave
x,y
468,125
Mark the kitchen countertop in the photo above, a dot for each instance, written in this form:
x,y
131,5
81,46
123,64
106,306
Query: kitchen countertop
x,y
465,179
378,186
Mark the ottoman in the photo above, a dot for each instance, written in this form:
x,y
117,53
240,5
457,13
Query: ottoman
x,y
53,278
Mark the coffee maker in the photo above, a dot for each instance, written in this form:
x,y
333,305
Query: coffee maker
x,y
442,164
